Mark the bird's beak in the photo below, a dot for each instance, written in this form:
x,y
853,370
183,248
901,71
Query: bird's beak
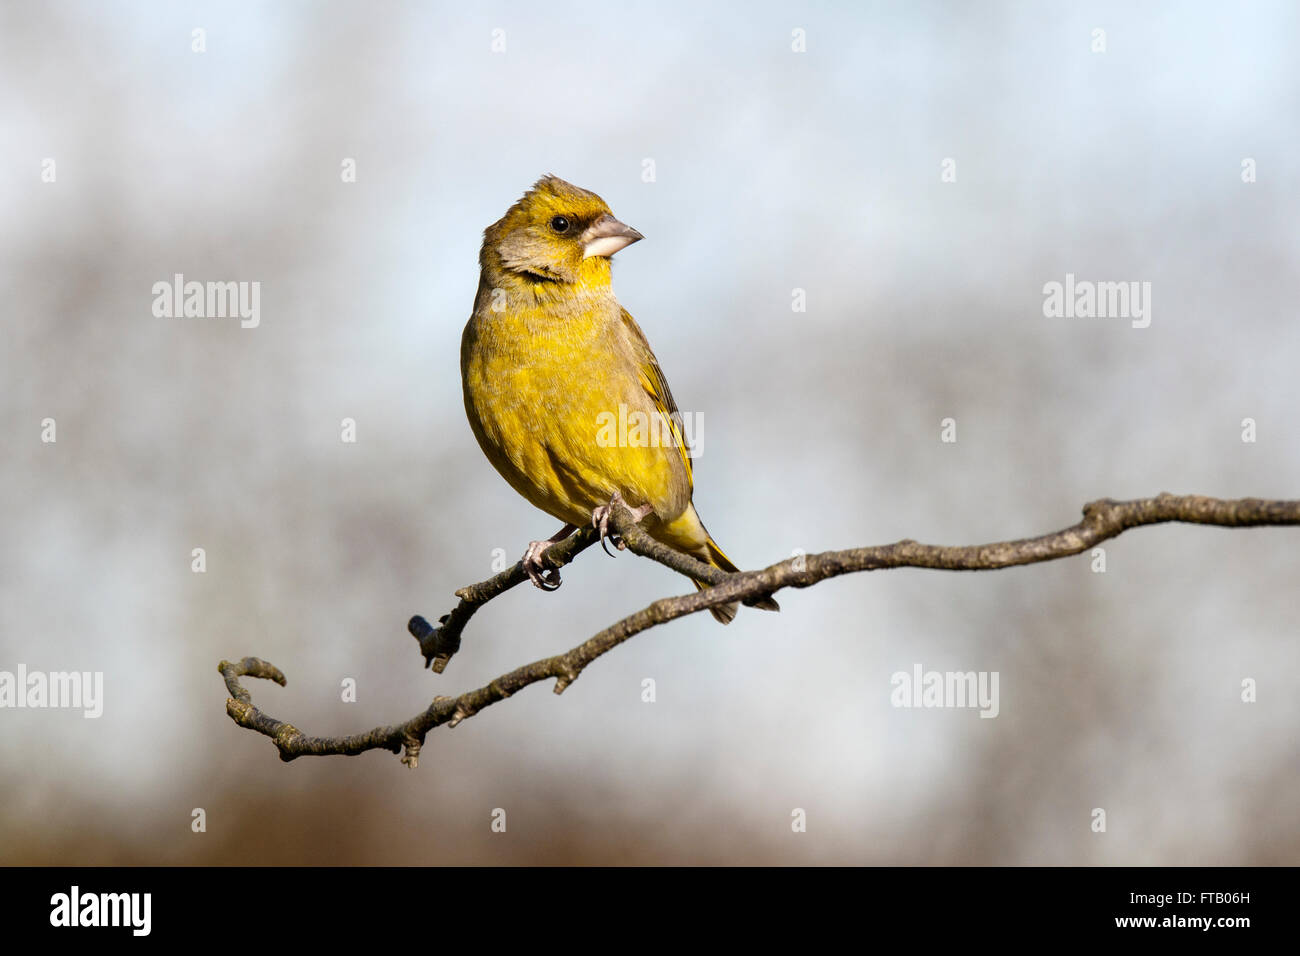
x,y
606,236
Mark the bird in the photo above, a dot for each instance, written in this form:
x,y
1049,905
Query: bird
x,y
549,358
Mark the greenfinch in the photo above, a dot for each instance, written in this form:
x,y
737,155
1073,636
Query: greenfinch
x,y
549,359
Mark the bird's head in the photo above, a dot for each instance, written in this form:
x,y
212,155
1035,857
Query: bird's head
x,y
555,233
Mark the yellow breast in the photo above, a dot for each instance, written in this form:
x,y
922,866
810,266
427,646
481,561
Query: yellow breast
x,y
556,400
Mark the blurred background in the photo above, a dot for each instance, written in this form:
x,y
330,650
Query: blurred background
x,y
754,169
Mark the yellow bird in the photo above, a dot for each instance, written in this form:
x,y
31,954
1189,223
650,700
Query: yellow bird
x,y
550,361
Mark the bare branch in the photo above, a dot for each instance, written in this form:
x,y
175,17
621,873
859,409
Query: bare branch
x,y
1101,520
438,644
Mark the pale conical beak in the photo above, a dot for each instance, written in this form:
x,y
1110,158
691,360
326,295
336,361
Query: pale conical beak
x,y
606,236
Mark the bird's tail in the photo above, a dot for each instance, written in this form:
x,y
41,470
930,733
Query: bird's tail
x,y
725,613
685,533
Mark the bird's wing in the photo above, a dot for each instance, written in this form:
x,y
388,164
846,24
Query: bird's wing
x,y
656,386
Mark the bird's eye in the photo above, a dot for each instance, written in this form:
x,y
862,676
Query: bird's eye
x,y
560,224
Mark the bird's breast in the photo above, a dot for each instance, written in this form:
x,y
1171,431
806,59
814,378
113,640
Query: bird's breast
x,y
541,391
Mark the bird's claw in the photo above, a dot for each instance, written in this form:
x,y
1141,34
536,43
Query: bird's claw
x,y
600,521
548,579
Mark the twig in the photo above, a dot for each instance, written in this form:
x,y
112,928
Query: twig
x,y
438,644
1101,520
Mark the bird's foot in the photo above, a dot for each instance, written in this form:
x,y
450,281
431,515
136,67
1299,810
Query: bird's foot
x,y
548,579
600,521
